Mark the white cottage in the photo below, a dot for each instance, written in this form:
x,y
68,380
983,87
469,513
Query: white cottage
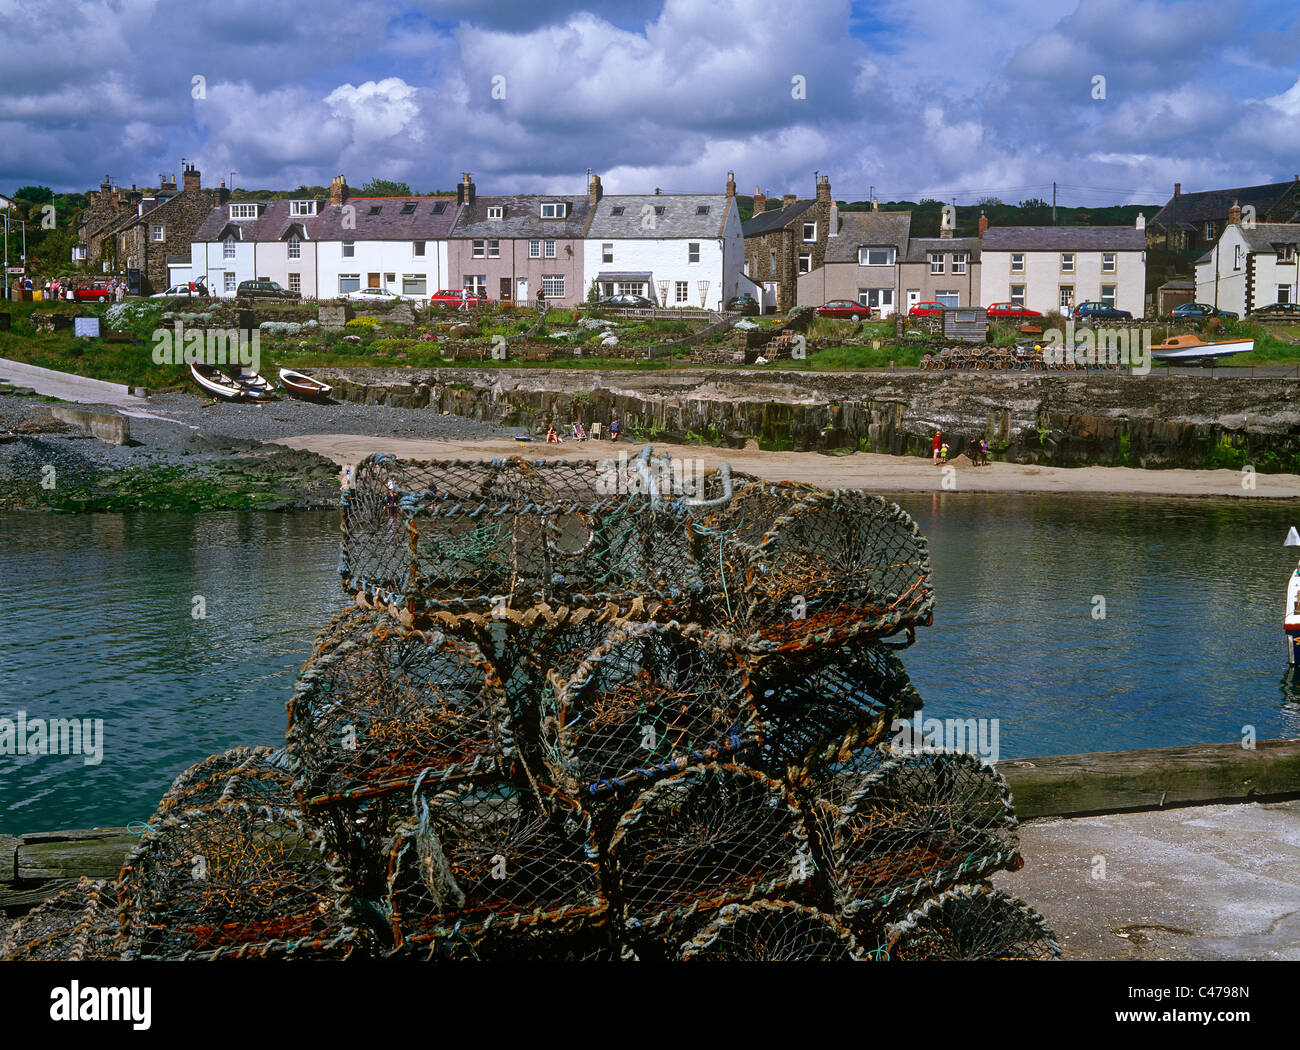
x,y
1250,266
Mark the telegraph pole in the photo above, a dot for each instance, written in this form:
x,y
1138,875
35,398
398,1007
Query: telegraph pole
x,y
1053,203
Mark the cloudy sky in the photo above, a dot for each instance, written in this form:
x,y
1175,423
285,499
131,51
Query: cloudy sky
x,y
941,98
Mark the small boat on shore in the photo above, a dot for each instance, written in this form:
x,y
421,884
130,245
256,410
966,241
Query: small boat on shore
x,y
1191,350
259,387
303,386
217,383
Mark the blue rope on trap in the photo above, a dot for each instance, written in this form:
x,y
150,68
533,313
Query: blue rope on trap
x,y
139,827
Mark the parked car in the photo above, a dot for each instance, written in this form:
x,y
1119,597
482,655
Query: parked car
x,y
373,295
745,303
451,297
95,292
1192,311
1011,310
1095,311
926,310
1276,312
179,291
846,308
263,290
639,302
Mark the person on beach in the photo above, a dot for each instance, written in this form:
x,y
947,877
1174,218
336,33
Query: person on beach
x,y
552,437
615,428
943,452
934,447
984,453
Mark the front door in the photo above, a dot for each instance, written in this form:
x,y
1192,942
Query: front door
x,y
521,290
505,289
372,280
913,297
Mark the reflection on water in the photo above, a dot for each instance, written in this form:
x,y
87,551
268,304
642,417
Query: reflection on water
x,y
96,619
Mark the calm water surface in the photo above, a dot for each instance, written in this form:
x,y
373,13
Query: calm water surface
x,y
95,621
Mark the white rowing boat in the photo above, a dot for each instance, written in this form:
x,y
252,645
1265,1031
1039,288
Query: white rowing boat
x,y
1191,349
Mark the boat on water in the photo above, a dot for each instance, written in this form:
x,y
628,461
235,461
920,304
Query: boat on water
x,y
303,386
1291,615
248,386
1191,350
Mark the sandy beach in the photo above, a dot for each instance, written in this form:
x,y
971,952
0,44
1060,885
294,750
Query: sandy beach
x,y
862,470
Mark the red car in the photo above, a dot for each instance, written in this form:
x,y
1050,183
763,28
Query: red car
x,y
925,310
1012,310
97,291
845,308
451,297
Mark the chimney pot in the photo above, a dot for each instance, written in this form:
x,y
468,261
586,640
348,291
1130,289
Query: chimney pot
x,y
824,189
731,184
1178,188
760,201
983,224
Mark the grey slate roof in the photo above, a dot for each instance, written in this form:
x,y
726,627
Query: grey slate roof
x,y
860,229
680,216
523,218
1214,204
919,248
1064,239
1264,235
775,218
424,224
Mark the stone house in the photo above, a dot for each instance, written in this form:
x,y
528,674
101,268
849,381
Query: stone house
x,y
943,269
863,261
1195,221
784,243
1250,266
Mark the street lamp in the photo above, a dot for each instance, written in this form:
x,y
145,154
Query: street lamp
x,y
23,224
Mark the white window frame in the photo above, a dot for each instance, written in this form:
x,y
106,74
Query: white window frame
x,y
295,282
1236,257
1109,262
1109,294
1017,262
243,211
295,248
554,209
157,232
535,248
682,291
411,280
229,284
553,285
476,283
805,262
889,254
1286,254
958,262
607,252
1067,262
692,251
494,249
1064,296
1282,293
349,249
496,211
548,249
228,248
302,207
1017,297
955,296
807,238
936,262
346,278
479,250
418,249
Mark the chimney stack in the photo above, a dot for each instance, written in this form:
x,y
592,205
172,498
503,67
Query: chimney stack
x,y
191,179
594,191
984,224
824,189
1178,188
338,190
465,191
833,223
1141,223
223,194
731,184
1234,214
760,201
788,199
945,227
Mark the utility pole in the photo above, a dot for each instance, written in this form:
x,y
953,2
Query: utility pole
x,y
1053,203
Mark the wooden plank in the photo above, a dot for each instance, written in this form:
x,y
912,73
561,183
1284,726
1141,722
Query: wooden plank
x,y
1115,781
96,852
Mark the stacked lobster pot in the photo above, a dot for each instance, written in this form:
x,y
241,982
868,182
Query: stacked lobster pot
x,y
593,711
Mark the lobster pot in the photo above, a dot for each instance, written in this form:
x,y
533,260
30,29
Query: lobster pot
x,y
493,861
972,922
819,708
771,931
473,537
649,701
709,836
917,823
230,880
77,925
256,775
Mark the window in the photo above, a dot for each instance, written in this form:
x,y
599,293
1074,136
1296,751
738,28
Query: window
x,y
156,232
958,262
497,211
682,291
1065,296
390,279
554,210
948,298
631,288
936,262
302,207
881,298
417,249
659,209
1017,262
553,285
1209,231
243,211
1108,294
1017,295
1285,253
350,250
229,282
1283,293
476,283
295,282
703,209
494,249
692,251
1067,262
549,249
440,207
809,232
534,249
616,210
746,267
1107,262
480,250
375,209
295,248
228,249
349,282
772,271
408,208
415,284
876,256
607,252
1236,257
805,262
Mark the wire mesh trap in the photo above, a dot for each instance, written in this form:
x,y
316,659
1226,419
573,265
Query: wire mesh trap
x,y
919,821
972,923
257,775
649,701
229,880
709,836
487,861
79,924
772,931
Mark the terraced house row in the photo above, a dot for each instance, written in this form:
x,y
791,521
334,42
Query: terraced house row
x,y
679,249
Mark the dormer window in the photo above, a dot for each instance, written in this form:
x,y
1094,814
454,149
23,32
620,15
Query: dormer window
x,y
554,210
497,211
1286,253
302,207
408,208
659,209
243,211
375,209
703,209
876,256
616,210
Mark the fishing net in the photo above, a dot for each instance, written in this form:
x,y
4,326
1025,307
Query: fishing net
x,y
913,824
492,861
772,931
708,836
972,923
649,701
818,708
257,775
228,880
76,925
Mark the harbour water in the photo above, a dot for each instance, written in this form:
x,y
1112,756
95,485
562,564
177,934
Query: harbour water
x,y
98,619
